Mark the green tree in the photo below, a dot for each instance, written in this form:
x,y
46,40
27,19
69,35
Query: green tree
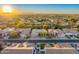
x,y
14,34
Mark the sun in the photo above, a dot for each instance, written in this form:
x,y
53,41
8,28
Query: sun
x,y
7,9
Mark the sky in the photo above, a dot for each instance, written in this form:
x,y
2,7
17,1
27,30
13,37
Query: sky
x,y
64,8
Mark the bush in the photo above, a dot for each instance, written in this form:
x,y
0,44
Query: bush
x,y
2,26
42,46
14,34
43,34
1,48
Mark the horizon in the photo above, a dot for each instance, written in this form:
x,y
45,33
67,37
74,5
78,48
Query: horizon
x,y
45,8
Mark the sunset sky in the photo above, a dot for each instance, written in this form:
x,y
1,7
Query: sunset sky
x,y
61,8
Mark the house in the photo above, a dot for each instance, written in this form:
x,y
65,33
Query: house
x,y
24,32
